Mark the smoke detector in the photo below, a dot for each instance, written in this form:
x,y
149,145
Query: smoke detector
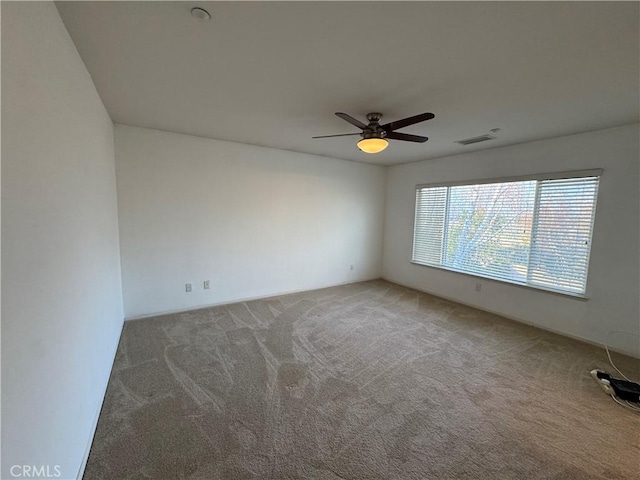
x,y
200,14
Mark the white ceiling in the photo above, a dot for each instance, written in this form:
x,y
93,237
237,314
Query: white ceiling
x,y
273,74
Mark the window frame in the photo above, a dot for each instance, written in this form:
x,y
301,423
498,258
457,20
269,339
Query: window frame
x,y
595,172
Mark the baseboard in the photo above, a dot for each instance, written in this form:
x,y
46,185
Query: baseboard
x,y
245,299
515,319
83,465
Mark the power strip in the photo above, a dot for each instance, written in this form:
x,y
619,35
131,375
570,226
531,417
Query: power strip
x,y
605,385
622,389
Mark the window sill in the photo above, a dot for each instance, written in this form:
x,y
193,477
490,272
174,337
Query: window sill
x,y
575,296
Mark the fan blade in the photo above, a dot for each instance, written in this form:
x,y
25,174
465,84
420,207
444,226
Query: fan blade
x,y
405,122
339,135
406,137
351,120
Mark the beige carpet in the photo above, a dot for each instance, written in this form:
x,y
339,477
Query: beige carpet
x,y
364,381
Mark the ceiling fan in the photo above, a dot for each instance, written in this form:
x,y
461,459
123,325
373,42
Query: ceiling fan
x,y
374,136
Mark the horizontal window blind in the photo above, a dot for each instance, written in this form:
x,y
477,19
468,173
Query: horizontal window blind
x,y
535,232
562,233
429,225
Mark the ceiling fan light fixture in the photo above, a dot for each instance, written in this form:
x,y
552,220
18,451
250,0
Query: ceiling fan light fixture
x,y
372,145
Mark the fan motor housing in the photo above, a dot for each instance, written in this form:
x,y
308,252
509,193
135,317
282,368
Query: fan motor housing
x,y
374,130
378,133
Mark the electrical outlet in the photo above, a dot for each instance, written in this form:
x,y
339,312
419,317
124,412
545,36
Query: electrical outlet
x,y
187,287
206,284
478,287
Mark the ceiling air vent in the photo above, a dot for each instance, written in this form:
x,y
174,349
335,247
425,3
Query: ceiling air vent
x,y
481,138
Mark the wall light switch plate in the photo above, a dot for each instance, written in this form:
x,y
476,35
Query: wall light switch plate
x,y
187,287
206,284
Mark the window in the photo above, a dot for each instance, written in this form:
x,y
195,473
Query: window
x,y
532,231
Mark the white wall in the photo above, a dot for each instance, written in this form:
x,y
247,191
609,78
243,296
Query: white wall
x,y
254,221
62,304
613,284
